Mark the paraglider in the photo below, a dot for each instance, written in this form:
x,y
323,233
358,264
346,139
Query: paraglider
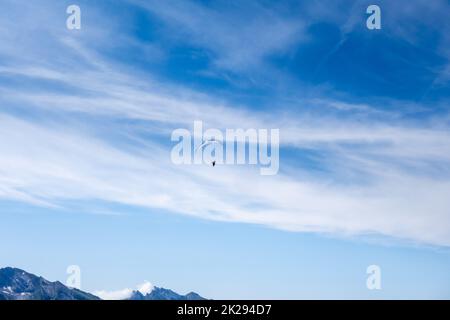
x,y
206,143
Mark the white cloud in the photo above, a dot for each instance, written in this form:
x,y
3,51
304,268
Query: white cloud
x,y
52,165
145,288
100,139
123,294
239,37
114,295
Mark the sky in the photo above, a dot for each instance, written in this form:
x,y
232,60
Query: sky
x,y
86,118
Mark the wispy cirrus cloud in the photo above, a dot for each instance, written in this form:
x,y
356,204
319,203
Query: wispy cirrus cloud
x,y
79,125
262,31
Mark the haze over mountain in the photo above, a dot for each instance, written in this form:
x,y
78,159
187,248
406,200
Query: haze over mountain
x,y
17,284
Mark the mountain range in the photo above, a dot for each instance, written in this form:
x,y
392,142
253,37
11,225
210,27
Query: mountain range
x,y
17,284
164,294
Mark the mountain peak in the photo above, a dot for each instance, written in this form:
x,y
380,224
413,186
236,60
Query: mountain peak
x,y
164,294
17,284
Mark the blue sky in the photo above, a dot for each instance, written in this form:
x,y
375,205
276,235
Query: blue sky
x,y
86,117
